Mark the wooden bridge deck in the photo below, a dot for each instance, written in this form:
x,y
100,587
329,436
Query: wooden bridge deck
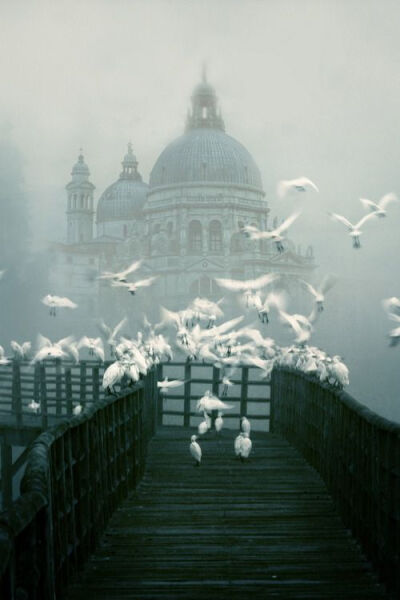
x,y
267,528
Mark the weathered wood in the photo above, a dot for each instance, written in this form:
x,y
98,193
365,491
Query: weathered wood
x,y
6,473
187,396
357,454
43,396
265,528
68,390
16,392
244,391
160,399
58,386
82,382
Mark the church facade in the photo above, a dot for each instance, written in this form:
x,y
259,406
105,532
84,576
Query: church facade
x,y
185,223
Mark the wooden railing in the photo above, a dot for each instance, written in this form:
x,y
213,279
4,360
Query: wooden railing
x,y
356,452
56,385
76,475
249,394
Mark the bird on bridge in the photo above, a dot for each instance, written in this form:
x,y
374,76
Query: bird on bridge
x,y
113,375
391,305
354,230
94,345
3,359
338,373
48,349
209,402
121,276
77,409
300,184
195,450
227,383
245,425
276,235
34,407
219,422
21,351
379,208
167,384
205,425
319,293
245,447
55,302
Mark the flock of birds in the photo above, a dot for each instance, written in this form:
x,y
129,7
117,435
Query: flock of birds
x,y
199,333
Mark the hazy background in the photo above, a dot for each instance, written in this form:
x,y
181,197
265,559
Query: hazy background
x,y
309,87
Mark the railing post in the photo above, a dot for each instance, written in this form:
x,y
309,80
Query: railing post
x,y
58,387
186,401
244,391
16,391
6,473
82,383
95,383
43,396
68,390
159,396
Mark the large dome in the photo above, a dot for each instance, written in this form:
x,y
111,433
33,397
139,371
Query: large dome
x,y
124,199
205,155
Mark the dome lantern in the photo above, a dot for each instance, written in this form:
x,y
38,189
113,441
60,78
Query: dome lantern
x,y
130,165
204,108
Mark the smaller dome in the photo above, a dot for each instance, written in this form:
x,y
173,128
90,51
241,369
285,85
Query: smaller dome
x,y
204,89
80,168
123,200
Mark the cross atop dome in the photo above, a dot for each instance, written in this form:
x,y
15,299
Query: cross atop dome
x,y
204,113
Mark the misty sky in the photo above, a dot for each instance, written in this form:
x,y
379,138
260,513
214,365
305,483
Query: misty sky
x,y
309,87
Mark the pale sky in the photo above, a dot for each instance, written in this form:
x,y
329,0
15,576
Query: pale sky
x,y
309,87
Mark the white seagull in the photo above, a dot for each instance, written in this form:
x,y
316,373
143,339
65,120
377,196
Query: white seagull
x,y
219,422
55,302
94,345
354,230
301,184
245,446
319,293
245,425
122,275
276,235
20,350
34,407
379,209
3,359
166,385
209,403
136,285
195,450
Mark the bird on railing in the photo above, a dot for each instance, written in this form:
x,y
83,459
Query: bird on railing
x,y
94,345
338,373
55,302
48,349
3,359
21,351
195,450
77,409
112,376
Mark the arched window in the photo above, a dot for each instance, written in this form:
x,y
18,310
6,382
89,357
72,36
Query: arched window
x,y
195,236
215,236
82,199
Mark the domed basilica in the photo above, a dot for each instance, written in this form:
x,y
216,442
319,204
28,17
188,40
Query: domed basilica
x,y
185,223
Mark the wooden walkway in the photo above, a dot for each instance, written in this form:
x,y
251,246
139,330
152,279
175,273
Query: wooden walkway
x,y
267,529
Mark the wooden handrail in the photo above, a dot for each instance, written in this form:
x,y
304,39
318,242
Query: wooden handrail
x,y
77,473
356,452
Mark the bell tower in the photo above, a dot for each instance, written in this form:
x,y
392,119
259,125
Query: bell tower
x,y
205,112
80,211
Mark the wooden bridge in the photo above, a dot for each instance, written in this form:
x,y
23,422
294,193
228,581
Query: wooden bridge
x,y
112,508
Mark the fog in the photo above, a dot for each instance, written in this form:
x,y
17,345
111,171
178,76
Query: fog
x,y
309,87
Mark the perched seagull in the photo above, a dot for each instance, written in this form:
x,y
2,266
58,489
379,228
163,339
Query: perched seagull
x,y
245,425
205,425
227,383
301,184
55,302
195,450
95,346
245,446
165,385
111,334
77,409
113,375
135,286
209,403
20,350
237,444
3,359
354,230
219,422
276,235
319,294
122,275
48,349
379,209
339,372
34,407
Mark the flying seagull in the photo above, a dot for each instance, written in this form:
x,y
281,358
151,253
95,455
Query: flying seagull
x,y
276,235
301,184
379,209
354,230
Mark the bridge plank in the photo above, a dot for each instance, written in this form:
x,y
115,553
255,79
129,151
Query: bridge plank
x,y
266,528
